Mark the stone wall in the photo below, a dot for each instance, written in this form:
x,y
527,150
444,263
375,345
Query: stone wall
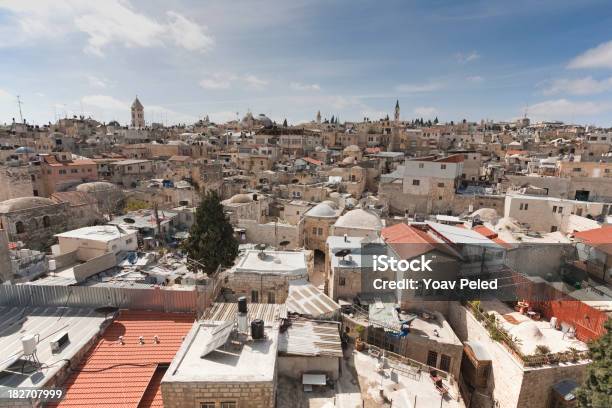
x,y
271,233
272,288
192,394
15,182
94,265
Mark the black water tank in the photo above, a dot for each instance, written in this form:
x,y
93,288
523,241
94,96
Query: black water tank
x,y
257,329
242,304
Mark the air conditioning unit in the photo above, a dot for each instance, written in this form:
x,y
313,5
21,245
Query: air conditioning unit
x,y
59,342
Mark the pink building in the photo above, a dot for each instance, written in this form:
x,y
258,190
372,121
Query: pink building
x,y
60,171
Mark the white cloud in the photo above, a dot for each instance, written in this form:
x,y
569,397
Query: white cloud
x,y
228,80
420,88
105,102
426,111
105,23
298,86
464,58
580,86
565,109
598,57
475,79
97,82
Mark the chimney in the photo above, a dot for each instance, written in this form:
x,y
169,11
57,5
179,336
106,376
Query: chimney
x,y
345,238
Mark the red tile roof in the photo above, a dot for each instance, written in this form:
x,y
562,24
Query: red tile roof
x,y
408,241
313,161
115,374
152,397
597,237
492,235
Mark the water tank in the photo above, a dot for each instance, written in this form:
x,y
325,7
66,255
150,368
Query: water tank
x,y
52,265
242,304
553,322
29,344
257,329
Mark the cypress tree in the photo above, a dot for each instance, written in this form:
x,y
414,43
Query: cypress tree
x,y
211,242
596,392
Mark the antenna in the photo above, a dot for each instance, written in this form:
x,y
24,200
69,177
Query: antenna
x,y
19,103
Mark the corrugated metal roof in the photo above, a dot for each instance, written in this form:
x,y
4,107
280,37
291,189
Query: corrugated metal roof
x,y
311,338
117,374
305,299
268,312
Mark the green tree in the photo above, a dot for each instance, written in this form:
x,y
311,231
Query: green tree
x,y
596,392
211,242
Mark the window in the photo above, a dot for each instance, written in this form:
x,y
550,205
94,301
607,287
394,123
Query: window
x,y
46,221
142,167
314,230
443,166
74,171
207,405
128,241
554,208
62,171
560,211
228,404
19,227
523,206
432,358
445,362
421,165
33,177
342,281
553,228
416,182
254,296
320,231
576,169
271,297
441,185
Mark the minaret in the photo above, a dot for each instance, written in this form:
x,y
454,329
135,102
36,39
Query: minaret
x,y
319,117
397,112
137,114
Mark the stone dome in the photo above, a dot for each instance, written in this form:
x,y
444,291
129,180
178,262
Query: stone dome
x,y
348,160
321,210
95,187
331,203
23,203
241,199
485,214
359,219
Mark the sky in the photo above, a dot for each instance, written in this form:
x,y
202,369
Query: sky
x,y
492,60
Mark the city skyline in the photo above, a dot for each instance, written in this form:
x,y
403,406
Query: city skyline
x,y
185,60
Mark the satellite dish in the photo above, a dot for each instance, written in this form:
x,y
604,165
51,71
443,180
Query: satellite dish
x,y
284,243
342,253
260,247
129,220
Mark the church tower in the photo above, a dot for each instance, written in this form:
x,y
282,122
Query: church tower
x,y
137,114
319,117
397,112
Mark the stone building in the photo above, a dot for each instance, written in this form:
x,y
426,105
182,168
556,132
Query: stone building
x,y
129,172
5,260
18,181
61,171
34,220
249,206
264,276
318,222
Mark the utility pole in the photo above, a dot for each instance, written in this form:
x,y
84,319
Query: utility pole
x,y
19,103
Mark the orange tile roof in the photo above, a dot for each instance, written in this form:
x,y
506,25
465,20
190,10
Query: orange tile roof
x,y
408,241
492,235
597,237
115,374
152,397
312,161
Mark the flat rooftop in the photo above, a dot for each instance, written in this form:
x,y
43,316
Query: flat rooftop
x,y
240,361
47,322
279,262
102,233
531,333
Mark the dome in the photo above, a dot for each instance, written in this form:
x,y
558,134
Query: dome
x,y
348,160
241,199
332,204
527,330
321,210
352,148
23,203
96,186
24,149
485,214
334,194
359,219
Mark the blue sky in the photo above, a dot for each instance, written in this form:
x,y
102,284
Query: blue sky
x,y
290,58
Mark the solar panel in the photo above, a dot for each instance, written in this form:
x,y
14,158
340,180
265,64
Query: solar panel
x,y
218,336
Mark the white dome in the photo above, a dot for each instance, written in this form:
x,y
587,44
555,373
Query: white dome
x,y
96,186
241,199
485,214
359,219
321,210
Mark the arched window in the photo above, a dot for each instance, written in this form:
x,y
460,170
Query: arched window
x,y
46,221
19,227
